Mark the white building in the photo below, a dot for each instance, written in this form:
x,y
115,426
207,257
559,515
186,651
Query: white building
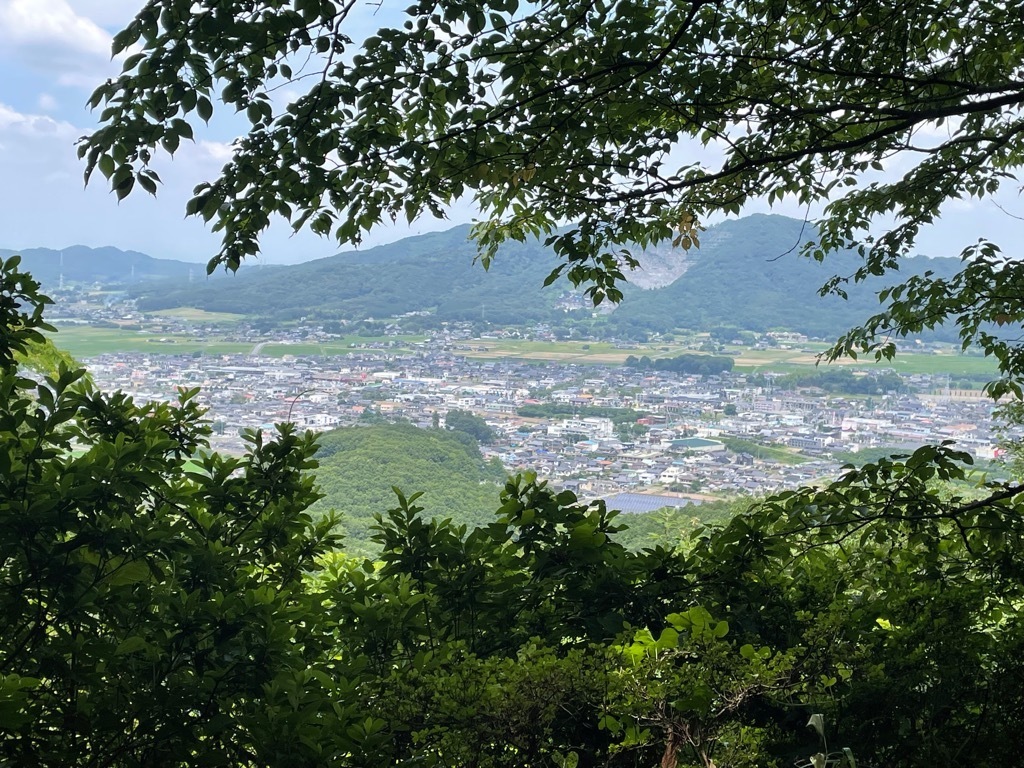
x,y
593,427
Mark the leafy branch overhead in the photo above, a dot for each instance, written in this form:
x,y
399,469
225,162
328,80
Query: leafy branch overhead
x,y
634,119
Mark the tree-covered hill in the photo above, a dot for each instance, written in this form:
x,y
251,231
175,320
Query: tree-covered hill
x,y
749,274
359,466
433,272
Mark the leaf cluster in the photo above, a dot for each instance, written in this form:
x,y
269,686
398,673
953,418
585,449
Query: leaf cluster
x,y
166,605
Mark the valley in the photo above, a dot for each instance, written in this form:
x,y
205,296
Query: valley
x,y
581,397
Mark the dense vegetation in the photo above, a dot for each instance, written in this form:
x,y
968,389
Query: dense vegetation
x,y
156,615
554,410
153,606
360,466
745,276
700,365
166,611
471,424
672,527
842,381
432,273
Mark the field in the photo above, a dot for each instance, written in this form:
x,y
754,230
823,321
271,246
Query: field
x,y
592,352
197,315
89,341
948,361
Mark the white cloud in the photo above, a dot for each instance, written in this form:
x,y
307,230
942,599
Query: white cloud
x,y
43,202
110,14
47,103
49,24
34,127
216,150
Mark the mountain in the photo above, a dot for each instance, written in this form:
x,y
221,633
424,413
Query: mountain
x,y
747,274
108,266
434,272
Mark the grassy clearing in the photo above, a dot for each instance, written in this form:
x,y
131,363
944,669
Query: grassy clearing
x,y
908,362
774,453
584,352
88,341
747,360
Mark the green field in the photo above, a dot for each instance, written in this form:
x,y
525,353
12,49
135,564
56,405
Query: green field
x,y
87,341
197,315
770,452
592,352
801,357
84,341
789,360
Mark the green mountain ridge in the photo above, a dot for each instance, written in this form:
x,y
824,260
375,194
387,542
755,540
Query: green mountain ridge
x,y
747,274
435,272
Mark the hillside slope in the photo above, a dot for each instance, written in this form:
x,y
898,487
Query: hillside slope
x,y
433,272
359,466
749,274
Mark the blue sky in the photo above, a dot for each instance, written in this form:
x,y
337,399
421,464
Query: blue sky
x,y
54,52
52,55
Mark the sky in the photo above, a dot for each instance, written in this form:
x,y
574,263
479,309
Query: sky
x,y
54,52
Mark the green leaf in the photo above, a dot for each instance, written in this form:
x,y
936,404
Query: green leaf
x,y
130,645
204,108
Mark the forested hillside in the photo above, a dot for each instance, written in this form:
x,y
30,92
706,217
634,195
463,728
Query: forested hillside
x,y
433,272
747,274
360,465
165,605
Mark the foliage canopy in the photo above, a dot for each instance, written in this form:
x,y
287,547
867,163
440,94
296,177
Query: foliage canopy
x,y
359,466
633,120
882,599
161,613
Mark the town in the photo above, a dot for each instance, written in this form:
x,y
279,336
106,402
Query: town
x,y
644,439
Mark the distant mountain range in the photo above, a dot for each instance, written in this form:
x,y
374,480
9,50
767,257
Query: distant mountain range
x,y
434,272
747,274
107,266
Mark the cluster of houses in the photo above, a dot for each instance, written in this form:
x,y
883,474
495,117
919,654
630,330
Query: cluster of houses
x,y
693,436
